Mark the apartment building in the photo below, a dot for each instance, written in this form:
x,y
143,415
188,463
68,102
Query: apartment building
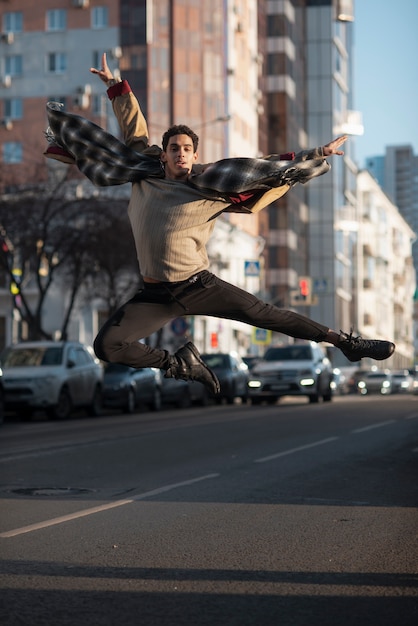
x,y
397,174
386,278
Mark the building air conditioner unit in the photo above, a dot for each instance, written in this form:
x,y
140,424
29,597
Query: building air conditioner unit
x,y
116,52
8,38
6,80
84,90
7,123
81,101
81,4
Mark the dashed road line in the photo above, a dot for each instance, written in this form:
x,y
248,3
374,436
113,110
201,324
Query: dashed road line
x,y
373,426
271,457
412,416
104,507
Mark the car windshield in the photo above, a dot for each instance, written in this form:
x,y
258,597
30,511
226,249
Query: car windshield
x,y
216,360
288,353
28,357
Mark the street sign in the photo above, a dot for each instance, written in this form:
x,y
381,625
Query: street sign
x,y
320,285
252,268
261,336
179,326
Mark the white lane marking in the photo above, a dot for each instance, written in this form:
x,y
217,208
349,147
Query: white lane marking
x,y
412,416
264,459
104,507
373,426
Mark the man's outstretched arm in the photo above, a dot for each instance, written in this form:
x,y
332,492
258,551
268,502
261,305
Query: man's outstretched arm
x,y
126,108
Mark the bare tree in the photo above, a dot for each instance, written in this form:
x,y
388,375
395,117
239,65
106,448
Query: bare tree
x,y
115,277
49,236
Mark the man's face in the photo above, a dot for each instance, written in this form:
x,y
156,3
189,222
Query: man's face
x,y
179,157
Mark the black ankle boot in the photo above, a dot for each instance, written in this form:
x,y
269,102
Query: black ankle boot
x,y
186,364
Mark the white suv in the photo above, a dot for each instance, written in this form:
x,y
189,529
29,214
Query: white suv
x,y
56,376
300,369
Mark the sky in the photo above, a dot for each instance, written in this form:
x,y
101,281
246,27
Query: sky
x,y
386,75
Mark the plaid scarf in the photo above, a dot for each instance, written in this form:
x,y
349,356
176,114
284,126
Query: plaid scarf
x,y
107,161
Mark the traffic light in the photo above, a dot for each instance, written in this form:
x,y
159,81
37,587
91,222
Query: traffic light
x,y
302,295
305,288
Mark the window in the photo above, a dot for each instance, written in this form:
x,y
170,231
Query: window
x,y
99,17
13,65
12,152
13,22
57,62
56,19
96,59
13,108
98,105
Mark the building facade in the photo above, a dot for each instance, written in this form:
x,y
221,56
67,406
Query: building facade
x,y
397,174
385,270
252,78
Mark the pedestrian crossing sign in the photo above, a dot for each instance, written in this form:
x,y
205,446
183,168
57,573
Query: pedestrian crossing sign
x,y
252,268
261,336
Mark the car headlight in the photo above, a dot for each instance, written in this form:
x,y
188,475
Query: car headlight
x,y
307,382
254,384
306,377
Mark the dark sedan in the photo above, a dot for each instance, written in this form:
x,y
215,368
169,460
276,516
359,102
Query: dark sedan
x,y
183,394
127,388
232,373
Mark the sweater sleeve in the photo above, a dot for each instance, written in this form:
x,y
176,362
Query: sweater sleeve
x,y
130,118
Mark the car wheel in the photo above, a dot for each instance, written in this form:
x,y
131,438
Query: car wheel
x,y
96,407
62,409
1,406
327,397
157,400
231,395
314,398
130,405
255,401
204,400
271,401
186,400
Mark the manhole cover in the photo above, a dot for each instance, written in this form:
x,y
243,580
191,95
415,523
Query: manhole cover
x,y
51,491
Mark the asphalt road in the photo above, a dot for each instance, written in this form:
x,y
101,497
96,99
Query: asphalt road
x,y
291,515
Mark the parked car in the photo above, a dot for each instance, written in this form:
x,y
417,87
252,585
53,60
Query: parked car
x,y
128,388
339,383
354,378
414,374
375,381
1,397
402,381
53,376
184,393
250,360
300,369
232,373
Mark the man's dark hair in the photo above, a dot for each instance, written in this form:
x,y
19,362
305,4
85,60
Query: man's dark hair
x,y
180,129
